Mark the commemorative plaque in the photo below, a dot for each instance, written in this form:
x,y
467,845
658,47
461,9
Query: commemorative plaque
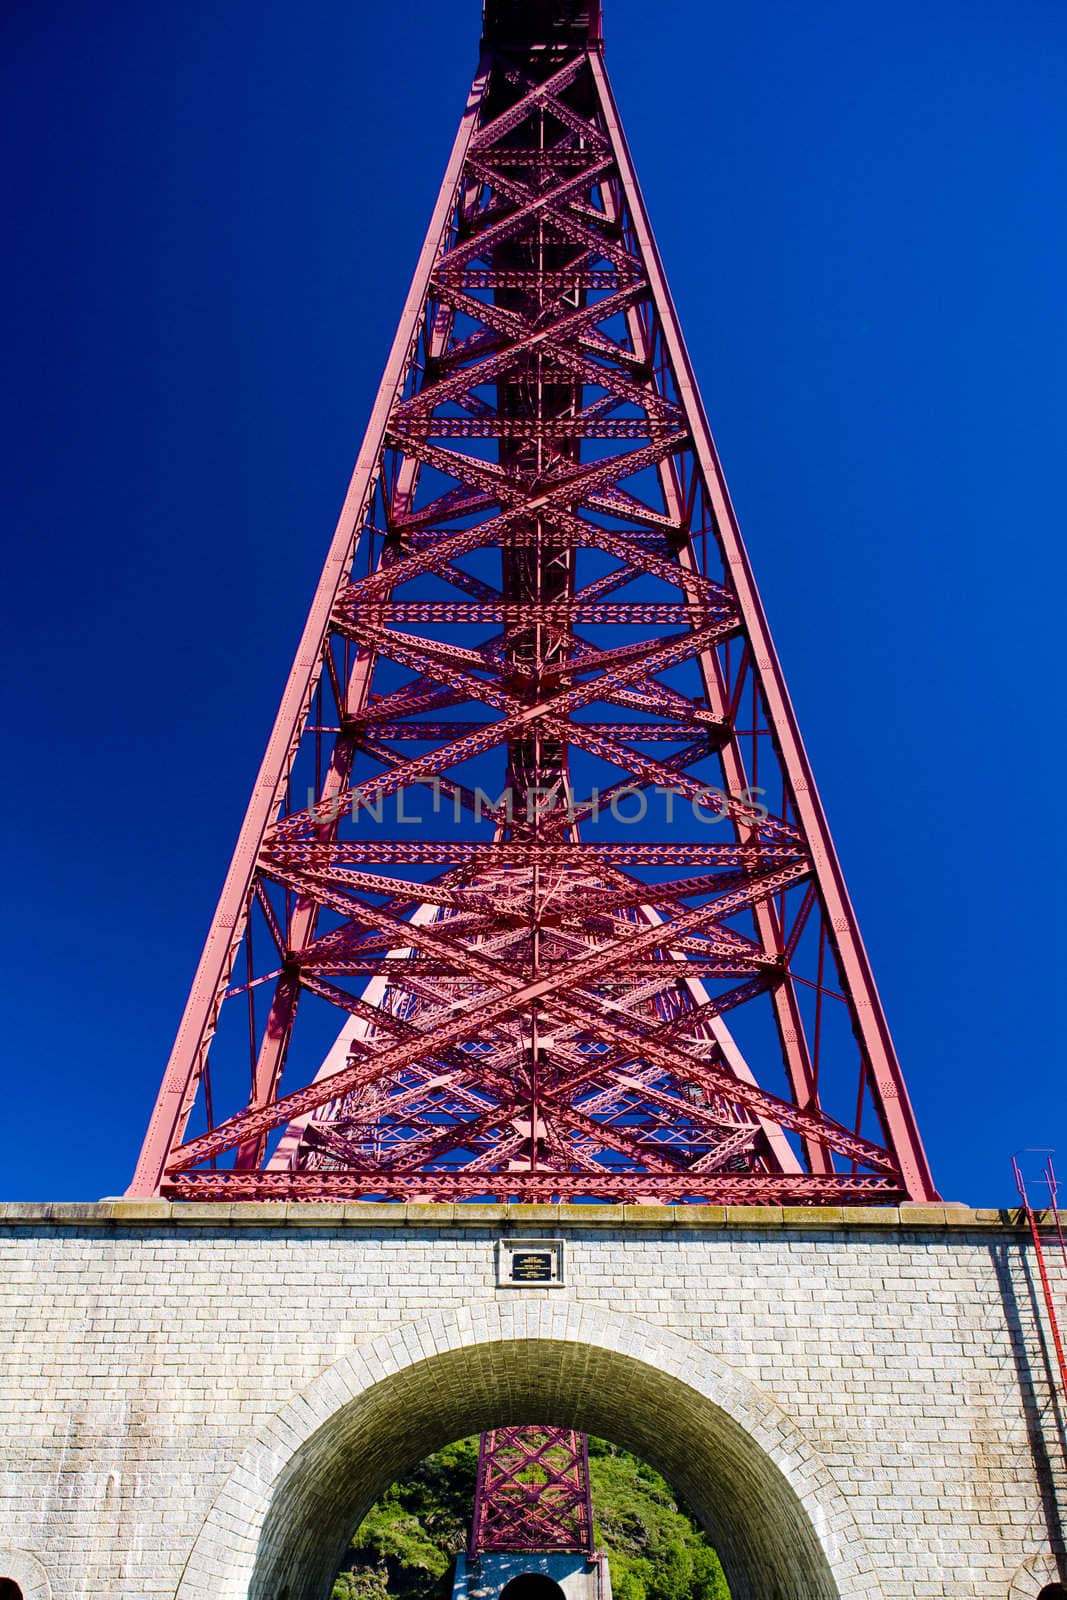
x,y
531,1266
534,1262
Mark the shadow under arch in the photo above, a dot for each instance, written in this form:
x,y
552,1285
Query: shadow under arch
x,y
281,1524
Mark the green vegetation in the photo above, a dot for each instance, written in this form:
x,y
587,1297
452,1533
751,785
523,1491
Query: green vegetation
x,y
407,1543
404,1549
656,1547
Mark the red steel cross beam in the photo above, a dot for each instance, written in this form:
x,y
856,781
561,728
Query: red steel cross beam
x,y
532,1492
535,897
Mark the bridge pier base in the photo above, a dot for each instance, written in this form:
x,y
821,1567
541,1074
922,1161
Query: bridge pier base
x,y
201,1405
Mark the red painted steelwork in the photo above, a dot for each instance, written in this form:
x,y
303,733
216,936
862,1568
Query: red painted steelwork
x,y
1039,1256
532,1492
614,958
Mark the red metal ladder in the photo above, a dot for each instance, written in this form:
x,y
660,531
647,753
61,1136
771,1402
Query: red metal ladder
x,y
1049,1178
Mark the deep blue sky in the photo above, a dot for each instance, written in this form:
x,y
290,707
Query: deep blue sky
x,y
212,215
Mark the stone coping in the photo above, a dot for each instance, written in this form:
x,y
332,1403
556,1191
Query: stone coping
x,y
364,1214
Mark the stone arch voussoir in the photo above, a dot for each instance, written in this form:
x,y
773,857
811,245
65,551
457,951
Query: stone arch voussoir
x,y
27,1572
767,1498
1033,1575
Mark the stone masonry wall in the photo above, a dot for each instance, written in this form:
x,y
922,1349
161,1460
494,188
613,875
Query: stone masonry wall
x,y
882,1382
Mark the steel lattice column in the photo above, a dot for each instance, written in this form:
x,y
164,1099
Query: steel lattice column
x,y
532,1492
617,959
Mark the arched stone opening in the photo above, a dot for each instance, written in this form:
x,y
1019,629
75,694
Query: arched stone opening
x,y
769,1505
21,1576
531,1586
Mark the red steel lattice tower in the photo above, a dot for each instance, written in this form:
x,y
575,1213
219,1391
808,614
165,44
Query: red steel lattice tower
x,y
616,958
532,1492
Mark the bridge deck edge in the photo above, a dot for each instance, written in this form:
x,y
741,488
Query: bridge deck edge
x,y
288,1214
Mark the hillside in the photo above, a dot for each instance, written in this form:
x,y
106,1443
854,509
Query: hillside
x,y
406,1545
